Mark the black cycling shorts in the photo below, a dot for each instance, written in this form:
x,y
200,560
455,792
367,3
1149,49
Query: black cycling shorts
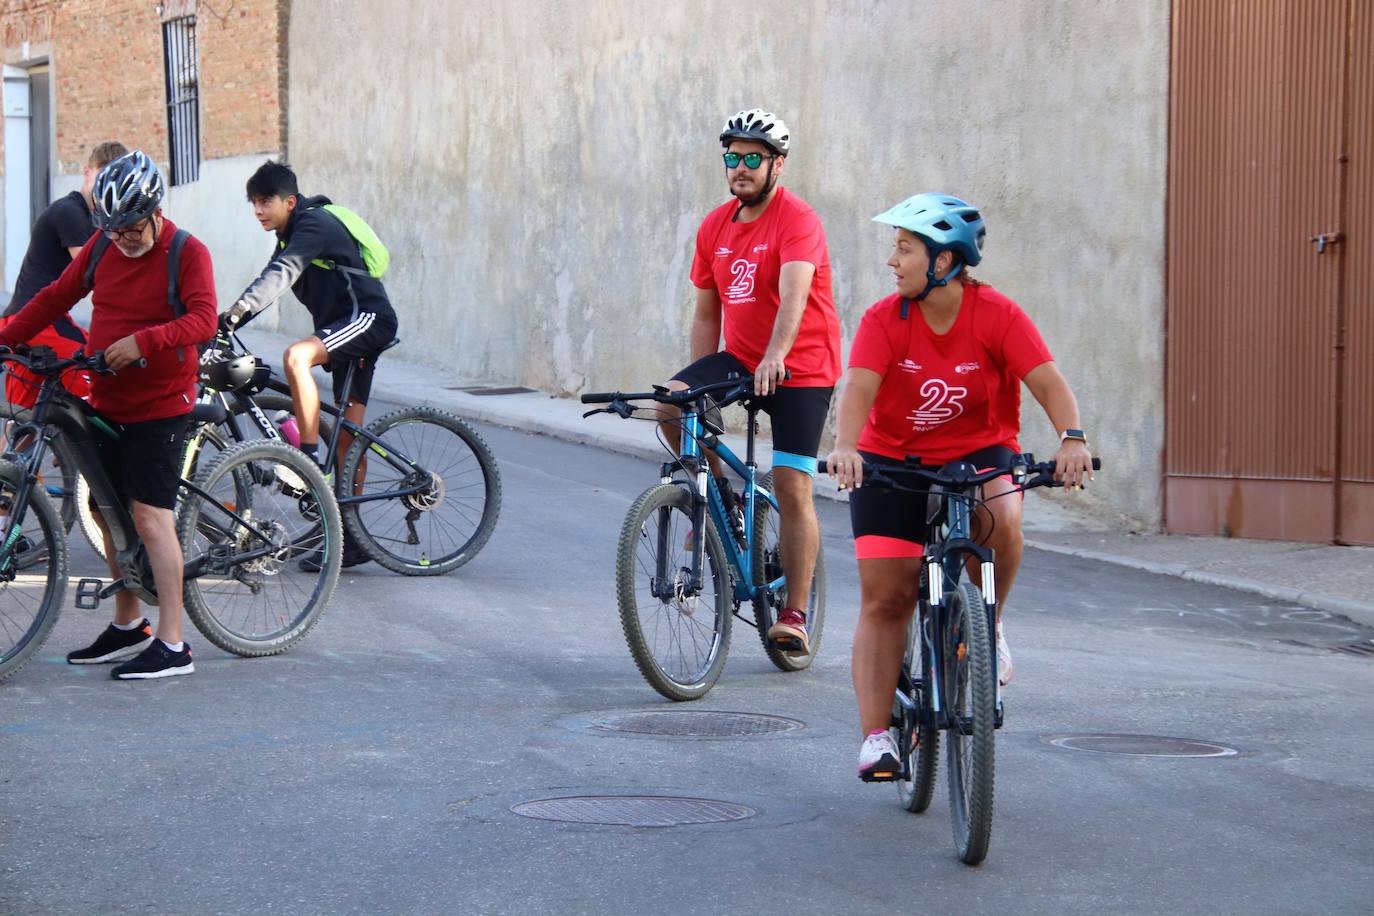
x,y
144,463
797,414
361,340
890,524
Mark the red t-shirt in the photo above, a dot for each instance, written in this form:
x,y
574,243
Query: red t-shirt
x,y
741,261
130,297
944,396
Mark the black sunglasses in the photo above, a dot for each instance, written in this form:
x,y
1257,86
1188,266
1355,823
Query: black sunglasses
x,y
751,160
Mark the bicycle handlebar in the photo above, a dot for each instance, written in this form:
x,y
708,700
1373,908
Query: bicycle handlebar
x,y
739,387
1026,472
45,361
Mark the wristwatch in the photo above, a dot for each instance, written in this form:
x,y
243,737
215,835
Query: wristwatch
x,y
1073,434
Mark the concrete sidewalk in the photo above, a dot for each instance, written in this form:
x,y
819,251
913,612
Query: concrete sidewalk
x,y
1338,580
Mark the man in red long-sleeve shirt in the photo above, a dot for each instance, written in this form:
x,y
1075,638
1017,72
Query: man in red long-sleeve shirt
x,y
132,320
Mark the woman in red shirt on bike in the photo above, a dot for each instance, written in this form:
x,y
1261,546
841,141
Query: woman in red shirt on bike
x,y
935,370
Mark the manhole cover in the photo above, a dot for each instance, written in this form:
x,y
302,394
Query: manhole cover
x,y
696,724
634,810
1142,745
486,390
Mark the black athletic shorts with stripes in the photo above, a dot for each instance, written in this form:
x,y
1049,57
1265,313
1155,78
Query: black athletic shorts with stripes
x,y
361,339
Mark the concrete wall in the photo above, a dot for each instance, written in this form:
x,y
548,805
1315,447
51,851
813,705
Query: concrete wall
x,y
539,170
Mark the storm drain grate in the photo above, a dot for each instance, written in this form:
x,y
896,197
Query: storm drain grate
x,y
1142,745
1364,647
634,810
697,724
486,390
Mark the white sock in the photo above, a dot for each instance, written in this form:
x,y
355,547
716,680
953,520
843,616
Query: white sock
x,y
175,648
126,627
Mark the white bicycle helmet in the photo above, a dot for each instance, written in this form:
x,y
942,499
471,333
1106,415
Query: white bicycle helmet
x,y
126,190
757,124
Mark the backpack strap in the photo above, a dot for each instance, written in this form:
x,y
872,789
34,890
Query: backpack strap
x,y
174,272
88,278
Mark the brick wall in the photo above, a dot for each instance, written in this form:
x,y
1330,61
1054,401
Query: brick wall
x,y
108,73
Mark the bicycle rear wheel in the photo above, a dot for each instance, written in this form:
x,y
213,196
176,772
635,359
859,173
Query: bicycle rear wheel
x,y
767,566
971,700
449,518
33,573
678,640
919,743
269,507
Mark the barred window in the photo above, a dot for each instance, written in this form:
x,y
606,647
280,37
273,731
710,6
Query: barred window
x,y
183,97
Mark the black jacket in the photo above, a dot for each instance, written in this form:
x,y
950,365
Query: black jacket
x,y
312,234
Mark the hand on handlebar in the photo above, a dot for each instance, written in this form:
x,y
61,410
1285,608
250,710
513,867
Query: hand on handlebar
x,y
1073,464
123,353
846,466
769,373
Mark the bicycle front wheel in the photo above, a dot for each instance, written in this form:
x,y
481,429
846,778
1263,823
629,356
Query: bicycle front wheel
x,y
678,634
271,537
971,699
33,573
919,743
766,547
444,501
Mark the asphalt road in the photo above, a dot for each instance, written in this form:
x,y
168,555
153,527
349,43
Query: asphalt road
x,y
373,768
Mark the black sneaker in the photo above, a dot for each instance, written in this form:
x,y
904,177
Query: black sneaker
x,y
114,644
353,555
155,661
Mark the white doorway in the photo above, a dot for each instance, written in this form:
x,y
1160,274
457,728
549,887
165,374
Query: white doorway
x,y
18,180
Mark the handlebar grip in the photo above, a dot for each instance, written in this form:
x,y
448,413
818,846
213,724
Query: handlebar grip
x,y
599,397
821,467
1097,464
140,363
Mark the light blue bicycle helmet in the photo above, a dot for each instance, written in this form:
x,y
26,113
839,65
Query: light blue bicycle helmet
x,y
944,223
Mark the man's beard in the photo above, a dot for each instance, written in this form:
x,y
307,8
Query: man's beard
x,y
140,252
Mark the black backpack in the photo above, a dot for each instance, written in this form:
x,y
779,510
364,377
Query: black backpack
x,y
173,272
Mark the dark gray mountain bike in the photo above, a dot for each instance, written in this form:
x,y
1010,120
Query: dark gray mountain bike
x,y
241,523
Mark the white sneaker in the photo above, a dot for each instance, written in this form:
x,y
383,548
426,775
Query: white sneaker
x,y
879,758
1003,659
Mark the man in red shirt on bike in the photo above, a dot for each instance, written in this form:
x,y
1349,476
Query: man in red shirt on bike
x,y
132,320
762,276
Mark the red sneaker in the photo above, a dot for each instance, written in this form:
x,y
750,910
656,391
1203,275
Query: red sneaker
x,y
789,633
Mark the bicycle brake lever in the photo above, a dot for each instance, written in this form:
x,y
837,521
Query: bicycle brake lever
x,y
596,411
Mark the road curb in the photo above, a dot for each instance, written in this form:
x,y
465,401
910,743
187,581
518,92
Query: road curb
x,y
1355,610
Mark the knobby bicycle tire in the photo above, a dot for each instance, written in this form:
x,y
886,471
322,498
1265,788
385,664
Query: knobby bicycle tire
x,y
672,623
971,696
444,509
28,637
266,475
766,561
920,746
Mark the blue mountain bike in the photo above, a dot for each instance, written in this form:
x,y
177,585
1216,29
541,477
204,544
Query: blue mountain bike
x,y
691,552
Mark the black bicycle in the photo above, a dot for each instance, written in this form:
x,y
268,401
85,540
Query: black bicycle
x,y
419,489
691,552
241,523
948,681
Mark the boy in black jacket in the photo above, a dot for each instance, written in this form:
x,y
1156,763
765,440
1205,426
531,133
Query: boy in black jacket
x,y
319,260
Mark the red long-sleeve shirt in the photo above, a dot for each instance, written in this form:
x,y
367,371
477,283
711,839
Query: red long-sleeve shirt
x,y
130,297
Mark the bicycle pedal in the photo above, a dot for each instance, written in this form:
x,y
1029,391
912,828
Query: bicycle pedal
x,y
881,774
88,594
1001,714
217,559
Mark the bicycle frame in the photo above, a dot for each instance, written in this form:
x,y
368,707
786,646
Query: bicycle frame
x,y
237,403
708,497
944,567
79,425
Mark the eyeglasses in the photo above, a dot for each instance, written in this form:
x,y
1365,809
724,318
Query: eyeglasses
x,y
131,234
750,160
